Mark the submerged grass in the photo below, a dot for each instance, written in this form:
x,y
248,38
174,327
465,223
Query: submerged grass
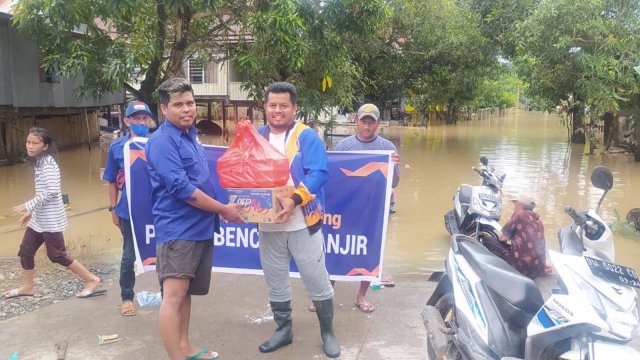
x,y
622,227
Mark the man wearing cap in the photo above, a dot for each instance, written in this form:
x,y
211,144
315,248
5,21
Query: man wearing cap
x,y
526,233
137,120
367,139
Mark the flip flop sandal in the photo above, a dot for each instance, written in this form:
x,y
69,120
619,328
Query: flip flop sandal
x,y
200,355
365,307
127,309
388,283
86,293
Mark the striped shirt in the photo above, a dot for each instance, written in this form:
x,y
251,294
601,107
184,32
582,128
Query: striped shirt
x,y
46,208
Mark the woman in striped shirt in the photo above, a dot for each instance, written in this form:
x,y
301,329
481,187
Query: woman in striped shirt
x,y
45,219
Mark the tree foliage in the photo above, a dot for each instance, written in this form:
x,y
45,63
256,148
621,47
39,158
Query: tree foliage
x,y
447,52
499,21
501,91
114,43
308,43
582,52
440,54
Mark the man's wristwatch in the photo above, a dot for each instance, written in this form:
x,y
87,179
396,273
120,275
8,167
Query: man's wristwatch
x,y
111,208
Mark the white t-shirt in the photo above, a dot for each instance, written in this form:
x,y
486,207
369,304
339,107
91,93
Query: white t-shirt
x,y
296,221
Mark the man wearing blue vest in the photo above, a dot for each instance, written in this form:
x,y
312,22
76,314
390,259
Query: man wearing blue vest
x,y
298,228
137,120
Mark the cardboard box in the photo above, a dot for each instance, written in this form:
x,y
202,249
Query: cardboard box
x,y
260,205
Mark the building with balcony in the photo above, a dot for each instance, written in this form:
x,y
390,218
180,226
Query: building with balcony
x,y
218,91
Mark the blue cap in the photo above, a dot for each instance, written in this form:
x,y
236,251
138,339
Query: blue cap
x,y
137,107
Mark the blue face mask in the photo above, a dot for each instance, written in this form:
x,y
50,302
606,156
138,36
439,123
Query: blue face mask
x,y
140,130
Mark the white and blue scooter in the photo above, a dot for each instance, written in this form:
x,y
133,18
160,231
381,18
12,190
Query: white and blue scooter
x,y
477,209
482,308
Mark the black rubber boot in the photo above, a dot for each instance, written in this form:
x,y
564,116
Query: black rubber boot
x,y
324,310
283,334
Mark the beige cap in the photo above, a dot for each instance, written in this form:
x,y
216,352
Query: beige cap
x,y
369,110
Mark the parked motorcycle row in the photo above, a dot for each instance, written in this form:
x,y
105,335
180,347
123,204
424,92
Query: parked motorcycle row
x,y
482,308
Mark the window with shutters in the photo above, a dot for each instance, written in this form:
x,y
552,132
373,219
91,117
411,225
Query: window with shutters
x,y
211,73
196,72
46,75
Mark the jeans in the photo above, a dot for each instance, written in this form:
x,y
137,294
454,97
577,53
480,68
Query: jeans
x,y
127,274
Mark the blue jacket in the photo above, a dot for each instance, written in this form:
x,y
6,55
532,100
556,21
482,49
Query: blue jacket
x,y
308,168
177,167
115,169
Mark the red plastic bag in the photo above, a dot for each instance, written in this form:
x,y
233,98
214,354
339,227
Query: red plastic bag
x,y
252,162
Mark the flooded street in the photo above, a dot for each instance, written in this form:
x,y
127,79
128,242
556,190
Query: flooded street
x,y
529,147
90,229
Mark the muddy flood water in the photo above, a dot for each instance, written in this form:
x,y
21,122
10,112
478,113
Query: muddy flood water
x,y
529,147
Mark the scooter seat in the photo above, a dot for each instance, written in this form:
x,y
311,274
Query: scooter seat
x,y
499,276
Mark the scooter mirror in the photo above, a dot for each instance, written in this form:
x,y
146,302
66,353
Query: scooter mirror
x,y
602,178
484,160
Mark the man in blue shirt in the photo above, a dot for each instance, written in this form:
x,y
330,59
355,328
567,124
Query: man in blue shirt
x,y
137,119
185,214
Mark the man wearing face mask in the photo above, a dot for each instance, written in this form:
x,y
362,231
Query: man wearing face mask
x,y
137,119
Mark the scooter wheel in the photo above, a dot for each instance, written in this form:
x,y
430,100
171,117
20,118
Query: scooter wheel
x,y
446,307
483,234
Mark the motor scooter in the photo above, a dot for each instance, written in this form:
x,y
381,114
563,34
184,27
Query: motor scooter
x,y
476,209
482,308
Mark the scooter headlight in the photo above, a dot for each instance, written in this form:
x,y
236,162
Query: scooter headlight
x,y
487,205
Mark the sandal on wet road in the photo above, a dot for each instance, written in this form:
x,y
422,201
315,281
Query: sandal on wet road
x,y
127,309
86,293
365,306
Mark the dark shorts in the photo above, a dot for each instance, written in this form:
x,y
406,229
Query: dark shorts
x,y
186,259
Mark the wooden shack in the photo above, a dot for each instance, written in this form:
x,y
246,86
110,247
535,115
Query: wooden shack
x,y
30,96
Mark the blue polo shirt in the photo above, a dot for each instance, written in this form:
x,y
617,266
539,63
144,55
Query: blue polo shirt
x,y
115,167
177,166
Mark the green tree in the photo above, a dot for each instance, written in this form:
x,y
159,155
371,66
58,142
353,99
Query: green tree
x,y
114,43
308,44
499,20
447,53
500,92
581,54
383,64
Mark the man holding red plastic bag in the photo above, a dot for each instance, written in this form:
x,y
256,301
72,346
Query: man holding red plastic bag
x,y
297,230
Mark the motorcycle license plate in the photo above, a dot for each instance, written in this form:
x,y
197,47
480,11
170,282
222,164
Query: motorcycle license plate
x,y
613,272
